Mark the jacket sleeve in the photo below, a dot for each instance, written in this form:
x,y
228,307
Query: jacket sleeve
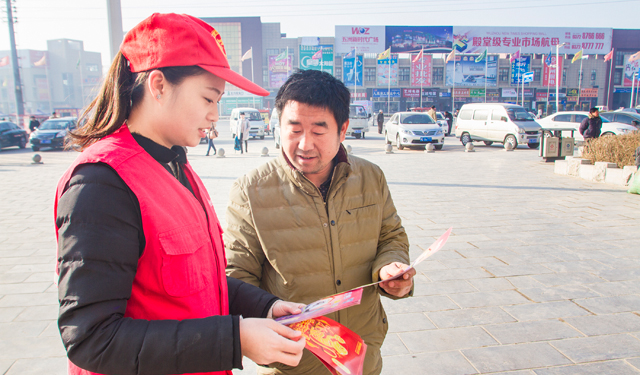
x,y
583,126
99,242
248,300
245,256
393,244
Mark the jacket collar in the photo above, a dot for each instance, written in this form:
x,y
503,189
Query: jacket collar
x,y
341,171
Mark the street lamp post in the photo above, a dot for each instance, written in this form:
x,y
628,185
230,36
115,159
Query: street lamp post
x,y
557,66
633,81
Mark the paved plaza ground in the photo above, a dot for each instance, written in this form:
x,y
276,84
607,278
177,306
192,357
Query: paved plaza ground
x,y
540,276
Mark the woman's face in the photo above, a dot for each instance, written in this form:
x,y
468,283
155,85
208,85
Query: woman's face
x,y
189,109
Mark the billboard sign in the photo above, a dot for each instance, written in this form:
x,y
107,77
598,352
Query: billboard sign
x,y
630,68
414,38
382,93
421,71
468,72
352,71
519,67
532,39
325,63
279,70
387,68
549,72
411,93
364,39
589,93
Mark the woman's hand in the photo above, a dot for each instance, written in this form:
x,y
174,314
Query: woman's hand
x,y
266,341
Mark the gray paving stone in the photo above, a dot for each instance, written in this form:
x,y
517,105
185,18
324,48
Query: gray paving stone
x,y
24,288
31,347
599,348
393,346
546,310
484,299
7,314
30,268
5,364
441,340
578,266
568,278
485,252
470,317
514,357
598,255
522,332
29,299
616,288
409,322
471,262
51,330
493,284
609,305
11,278
515,258
443,287
38,313
593,325
445,363
620,274
635,362
418,304
22,329
39,366
518,270
457,274
609,367
565,292
524,282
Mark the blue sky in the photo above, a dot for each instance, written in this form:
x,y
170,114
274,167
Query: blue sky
x,y
40,20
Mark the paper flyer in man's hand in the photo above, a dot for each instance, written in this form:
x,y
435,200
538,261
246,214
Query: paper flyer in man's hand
x,y
324,306
340,349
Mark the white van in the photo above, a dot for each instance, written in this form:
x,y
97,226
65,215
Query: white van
x,y
497,122
358,121
256,122
274,124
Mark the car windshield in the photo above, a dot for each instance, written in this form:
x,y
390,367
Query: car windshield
x,y
519,114
416,118
253,116
54,125
440,116
357,111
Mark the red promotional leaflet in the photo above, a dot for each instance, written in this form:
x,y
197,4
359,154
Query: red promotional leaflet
x,y
324,306
340,349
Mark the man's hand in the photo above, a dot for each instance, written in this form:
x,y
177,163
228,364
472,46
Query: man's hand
x,y
265,341
399,287
284,308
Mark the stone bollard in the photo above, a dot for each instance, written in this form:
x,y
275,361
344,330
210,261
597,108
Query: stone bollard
x,y
265,152
349,149
429,148
469,147
220,152
388,149
37,159
508,146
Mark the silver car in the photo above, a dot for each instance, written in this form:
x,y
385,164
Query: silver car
x,y
413,129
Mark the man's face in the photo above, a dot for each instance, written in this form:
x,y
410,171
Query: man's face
x,y
596,114
310,139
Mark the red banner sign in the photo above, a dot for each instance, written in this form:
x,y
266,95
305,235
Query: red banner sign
x,y
410,93
549,73
421,71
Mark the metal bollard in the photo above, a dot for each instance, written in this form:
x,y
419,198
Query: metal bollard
x,y
429,148
469,147
349,149
265,152
37,159
388,149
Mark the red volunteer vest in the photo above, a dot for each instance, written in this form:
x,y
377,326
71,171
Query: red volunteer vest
x,y
181,271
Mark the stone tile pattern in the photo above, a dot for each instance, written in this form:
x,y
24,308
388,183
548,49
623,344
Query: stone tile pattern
x,y
540,276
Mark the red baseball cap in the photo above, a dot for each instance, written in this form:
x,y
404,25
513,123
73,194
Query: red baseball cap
x,y
170,39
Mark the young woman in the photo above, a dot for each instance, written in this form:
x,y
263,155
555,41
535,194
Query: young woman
x,y
142,285
212,134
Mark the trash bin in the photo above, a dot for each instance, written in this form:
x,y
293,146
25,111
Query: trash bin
x,y
555,147
550,148
566,146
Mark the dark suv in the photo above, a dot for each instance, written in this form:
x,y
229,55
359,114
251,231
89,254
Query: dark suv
x,y
52,133
12,135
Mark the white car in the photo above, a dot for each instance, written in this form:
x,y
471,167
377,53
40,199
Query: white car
x,y
442,121
572,119
274,124
412,129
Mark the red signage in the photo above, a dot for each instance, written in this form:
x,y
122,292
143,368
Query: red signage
x,y
461,93
589,93
421,71
549,73
541,96
358,95
410,93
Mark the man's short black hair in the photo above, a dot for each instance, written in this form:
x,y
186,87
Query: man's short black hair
x,y
593,110
317,89
241,113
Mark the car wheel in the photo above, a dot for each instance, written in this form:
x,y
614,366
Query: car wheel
x,y
465,138
35,148
386,138
398,144
438,147
607,134
533,145
488,143
23,143
511,139
262,137
357,135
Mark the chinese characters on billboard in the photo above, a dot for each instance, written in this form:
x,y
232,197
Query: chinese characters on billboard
x,y
519,67
421,71
363,39
468,72
549,72
630,68
279,70
415,38
325,63
383,73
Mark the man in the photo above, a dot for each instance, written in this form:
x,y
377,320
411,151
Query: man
x,y
380,120
449,117
316,221
590,127
33,124
432,113
243,132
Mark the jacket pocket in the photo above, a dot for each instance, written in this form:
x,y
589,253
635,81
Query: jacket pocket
x,y
187,260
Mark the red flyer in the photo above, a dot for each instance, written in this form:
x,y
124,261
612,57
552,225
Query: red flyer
x,y
340,349
324,306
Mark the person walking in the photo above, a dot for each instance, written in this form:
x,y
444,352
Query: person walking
x,y
432,112
140,256
449,117
591,126
380,119
212,134
33,124
243,131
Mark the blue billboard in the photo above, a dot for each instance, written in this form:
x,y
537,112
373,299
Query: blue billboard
x,y
518,68
434,39
352,69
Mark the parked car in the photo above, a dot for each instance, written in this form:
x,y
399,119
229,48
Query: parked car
x,y
12,135
256,123
411,129
572,119
274,124
52,133
628,118
442,121
500,122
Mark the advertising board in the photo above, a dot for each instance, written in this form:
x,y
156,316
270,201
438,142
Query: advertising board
x,y
471,73
364,39
387,68
279,70
421,71
414,38
352,71
325,63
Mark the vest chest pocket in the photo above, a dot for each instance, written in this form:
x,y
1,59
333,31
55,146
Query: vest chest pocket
x,y
188,263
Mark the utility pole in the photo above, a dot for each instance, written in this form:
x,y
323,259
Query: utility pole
x,y
114,21
14,63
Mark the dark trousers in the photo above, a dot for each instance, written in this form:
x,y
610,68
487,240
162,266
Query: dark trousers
x,y
211,145
379,128
246,144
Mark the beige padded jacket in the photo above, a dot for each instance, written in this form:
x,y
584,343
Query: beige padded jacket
x,y
283,237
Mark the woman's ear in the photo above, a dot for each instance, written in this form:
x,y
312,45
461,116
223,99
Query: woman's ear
x,y
156,85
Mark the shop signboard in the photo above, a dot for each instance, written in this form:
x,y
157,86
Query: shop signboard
x,y
385,68
383,93
433,39
279,70
541,96
352,71
509,93
519,67
325,63
421,70
549,72
589,93
630,68
461,93
538,40
411,93
364,39
358,95
430,93
468,72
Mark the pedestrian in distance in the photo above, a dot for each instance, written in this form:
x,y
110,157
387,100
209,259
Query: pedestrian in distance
x,y
243,131
33,124
432,112
449,117
380,119
141,266
278,239
212,134
591,126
